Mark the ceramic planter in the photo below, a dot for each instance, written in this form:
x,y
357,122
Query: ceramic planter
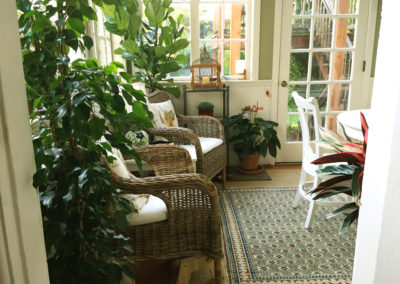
x,y
248,164
209,112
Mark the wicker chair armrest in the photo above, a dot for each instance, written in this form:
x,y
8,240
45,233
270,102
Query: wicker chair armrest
x,y
203,126
159,184
175,190
180,136
166,159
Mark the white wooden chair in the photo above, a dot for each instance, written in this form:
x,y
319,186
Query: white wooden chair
x,y
308,108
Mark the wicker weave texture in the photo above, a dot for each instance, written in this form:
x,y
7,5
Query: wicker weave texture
x,y
192,127
193,224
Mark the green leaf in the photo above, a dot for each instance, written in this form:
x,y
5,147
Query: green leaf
x,y
131,46
113,28
169,67
181,58
41,22
47,198
118,64
119,51
108,10
61,111
154,12
88,12
343,210
272,149
179,44
70,38
54,152
355,186
349,220
159,51
82,178
88,42
336,170
118,103
96,127
77,25
60,21
126,269
39,178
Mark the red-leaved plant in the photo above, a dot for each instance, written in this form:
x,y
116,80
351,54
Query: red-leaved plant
x,y
354,155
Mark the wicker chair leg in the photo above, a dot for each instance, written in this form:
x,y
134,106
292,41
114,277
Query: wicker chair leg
x,y
224,178
191,264
220,270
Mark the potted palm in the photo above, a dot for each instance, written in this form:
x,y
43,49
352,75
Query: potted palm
x,y
252,136
206,108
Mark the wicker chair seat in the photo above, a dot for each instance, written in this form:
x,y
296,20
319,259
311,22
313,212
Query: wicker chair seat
x,y
207,144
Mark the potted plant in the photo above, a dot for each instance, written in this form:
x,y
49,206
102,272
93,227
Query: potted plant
x,y
206,108
252,136
349,161
78,104
155,51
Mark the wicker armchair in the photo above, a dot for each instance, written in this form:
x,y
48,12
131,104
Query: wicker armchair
x,y
210,163
193,224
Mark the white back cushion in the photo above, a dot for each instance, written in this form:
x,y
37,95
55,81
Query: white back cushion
x,y
164,114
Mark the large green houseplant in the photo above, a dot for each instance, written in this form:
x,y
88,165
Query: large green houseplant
x,y
252,136
78,104
155,51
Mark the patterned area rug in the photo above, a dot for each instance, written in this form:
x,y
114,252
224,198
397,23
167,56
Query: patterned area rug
x,y
266,242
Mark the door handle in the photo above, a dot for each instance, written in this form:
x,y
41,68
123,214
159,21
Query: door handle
x,y
284,84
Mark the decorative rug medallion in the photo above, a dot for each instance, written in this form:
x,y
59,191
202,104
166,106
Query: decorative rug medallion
x,y
266,242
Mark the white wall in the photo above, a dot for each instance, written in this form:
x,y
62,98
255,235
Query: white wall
x,y
377,255
23,257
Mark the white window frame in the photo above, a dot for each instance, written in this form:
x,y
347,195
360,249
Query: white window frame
x,y
252,40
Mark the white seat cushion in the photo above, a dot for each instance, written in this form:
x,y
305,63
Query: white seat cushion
x,y
153,211
207,144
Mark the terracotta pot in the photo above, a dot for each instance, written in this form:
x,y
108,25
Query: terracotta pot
x,y
209,112
249,163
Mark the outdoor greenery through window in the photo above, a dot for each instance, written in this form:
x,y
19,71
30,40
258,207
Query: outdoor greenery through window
x,y
220,25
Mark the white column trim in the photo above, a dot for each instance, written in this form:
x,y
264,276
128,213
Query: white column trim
x,y
377,253
20,215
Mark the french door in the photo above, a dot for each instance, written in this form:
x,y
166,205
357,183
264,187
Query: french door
x,y
322,55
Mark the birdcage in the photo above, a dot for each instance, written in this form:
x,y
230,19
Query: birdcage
x,y
206,72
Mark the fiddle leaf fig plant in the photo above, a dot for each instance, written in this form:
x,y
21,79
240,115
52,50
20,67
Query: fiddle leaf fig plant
x,y
155,49
80,108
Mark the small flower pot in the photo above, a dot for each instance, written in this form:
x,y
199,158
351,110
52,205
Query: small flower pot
x,y
209,112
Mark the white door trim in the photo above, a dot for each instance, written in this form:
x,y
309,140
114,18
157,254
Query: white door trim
x,y
20,215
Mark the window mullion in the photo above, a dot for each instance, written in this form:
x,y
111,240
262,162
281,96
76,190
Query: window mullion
x,y
222,45
194,30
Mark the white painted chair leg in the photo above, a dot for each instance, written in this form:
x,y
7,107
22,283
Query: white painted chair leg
x,y
296,199
310,213
302,180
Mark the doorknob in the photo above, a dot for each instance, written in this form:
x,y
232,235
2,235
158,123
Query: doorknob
x,y
284,84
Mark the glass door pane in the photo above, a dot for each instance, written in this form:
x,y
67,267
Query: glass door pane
x,y
321,58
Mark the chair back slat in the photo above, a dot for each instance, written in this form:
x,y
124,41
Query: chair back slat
x,y
308,108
